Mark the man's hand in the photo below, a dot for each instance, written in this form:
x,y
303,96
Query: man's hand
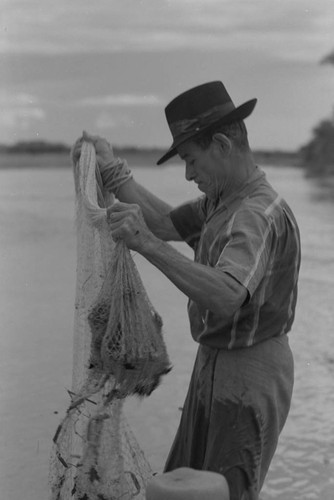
x,y
104,152
126,222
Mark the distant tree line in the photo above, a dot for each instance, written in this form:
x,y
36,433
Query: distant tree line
x,y
142,155
317,156
40,147
35,147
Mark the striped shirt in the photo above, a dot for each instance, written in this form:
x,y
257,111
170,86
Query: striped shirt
x,y
253,236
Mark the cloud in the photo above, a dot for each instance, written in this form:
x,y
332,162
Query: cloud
x,y
18,111
106,120
298,29
112,64
19,99
123,100
21,117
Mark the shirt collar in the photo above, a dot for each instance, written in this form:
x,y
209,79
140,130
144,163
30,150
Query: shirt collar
x,y
245,189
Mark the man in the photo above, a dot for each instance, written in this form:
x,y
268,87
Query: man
x,y
242,285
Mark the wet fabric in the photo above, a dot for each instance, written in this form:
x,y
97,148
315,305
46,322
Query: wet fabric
x,y
253,236
235,409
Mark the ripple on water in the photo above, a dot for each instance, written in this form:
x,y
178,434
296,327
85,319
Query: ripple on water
x,y
303,468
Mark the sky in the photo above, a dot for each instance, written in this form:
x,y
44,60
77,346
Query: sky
x,y
111,66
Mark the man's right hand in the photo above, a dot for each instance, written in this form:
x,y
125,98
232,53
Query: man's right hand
x,y
103,149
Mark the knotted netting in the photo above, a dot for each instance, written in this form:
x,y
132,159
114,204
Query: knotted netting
x,y
118,351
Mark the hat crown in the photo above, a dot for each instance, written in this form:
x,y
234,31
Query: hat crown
x,y
198,100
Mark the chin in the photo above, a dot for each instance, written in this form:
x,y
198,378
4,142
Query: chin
x,y
202,188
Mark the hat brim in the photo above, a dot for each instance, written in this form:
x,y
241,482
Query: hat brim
x,y
239,113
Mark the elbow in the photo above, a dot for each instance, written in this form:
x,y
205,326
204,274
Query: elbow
x,y
224,310
226,306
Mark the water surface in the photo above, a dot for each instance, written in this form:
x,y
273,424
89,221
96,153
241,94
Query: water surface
x,y
37,266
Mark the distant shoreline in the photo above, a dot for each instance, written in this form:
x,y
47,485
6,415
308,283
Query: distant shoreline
x,y
30,154
147,158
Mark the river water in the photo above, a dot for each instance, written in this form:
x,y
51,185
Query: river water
x,y
37,268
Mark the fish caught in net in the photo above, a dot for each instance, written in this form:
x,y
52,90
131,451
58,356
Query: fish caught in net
x,y
118,351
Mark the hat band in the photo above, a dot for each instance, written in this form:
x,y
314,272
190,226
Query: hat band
x,y
192,125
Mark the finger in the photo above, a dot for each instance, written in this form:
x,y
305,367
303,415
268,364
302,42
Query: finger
x,y
77,146
116,225
121,207
99,141
116,217
76,151
89,137
79,140
122,229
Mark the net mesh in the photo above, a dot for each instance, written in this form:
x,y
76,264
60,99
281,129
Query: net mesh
x,y
118,351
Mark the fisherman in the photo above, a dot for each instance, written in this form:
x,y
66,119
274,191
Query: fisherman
x,y
241,286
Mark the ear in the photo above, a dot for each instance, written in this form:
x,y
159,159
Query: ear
x,y
223,142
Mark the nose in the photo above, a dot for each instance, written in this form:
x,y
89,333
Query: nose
x,y
189,172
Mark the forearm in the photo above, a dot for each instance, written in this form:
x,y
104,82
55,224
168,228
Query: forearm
x,y
211,288
118,179
155,211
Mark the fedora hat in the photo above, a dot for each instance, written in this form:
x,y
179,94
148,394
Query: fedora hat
x,y
187,484
198,109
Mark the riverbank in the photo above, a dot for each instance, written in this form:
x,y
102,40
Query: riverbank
x,y
12,158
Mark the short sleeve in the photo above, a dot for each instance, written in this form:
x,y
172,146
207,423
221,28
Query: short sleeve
x,y
245,256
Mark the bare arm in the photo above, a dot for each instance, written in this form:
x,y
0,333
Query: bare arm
x,y
155,211
213,289
210,287
142,220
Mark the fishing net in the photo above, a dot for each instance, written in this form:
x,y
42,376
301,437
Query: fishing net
x,y
118,351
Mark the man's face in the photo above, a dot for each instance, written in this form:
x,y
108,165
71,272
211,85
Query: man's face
x,y
205,167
